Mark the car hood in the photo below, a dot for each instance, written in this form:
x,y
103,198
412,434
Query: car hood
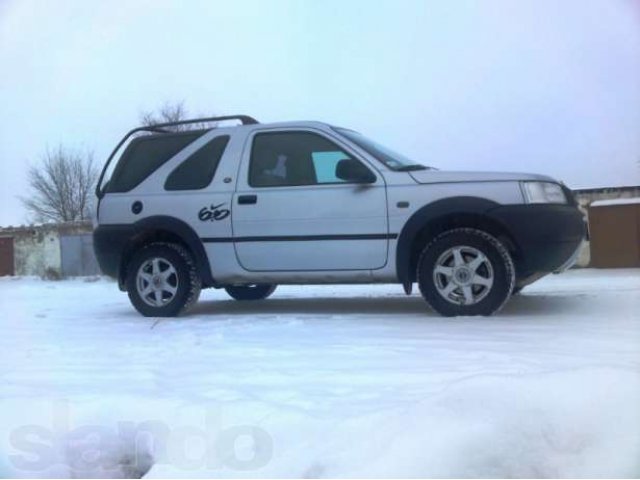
x,y
443,176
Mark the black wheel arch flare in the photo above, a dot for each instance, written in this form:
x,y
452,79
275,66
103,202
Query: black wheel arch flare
x,y
452,212
114,244
182,230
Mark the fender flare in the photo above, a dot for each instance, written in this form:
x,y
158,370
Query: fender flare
x,y
427,214
185,233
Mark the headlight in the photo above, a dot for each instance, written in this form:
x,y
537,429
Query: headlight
x,y
543,192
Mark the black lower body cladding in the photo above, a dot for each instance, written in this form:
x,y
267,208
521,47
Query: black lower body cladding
x,y
113,243
109,244
546,235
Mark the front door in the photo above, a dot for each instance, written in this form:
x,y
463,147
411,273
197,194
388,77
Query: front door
x,y
292,212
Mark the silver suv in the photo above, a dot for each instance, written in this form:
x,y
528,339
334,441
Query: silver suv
x,y
251,206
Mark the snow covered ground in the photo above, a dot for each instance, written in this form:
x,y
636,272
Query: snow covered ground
x,y
322,381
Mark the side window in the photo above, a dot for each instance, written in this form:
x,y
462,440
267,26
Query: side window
x,y
325,164
145,155
293,159
197,171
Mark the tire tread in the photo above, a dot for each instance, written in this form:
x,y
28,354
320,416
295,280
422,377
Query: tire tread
x,y
500,248
194,281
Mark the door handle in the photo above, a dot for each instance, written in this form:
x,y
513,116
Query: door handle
x,y
247,199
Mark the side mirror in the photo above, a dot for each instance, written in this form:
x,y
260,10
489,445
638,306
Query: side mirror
x,y
352,171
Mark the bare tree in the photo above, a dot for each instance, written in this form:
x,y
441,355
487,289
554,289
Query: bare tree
x,y
61,186
173,112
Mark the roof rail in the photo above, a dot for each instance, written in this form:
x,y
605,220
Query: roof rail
x,y
160,128
244,119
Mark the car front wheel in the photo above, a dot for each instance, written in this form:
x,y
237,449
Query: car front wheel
x,y
465,271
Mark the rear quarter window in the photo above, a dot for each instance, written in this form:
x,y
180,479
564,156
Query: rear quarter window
x,y
197,171
145,155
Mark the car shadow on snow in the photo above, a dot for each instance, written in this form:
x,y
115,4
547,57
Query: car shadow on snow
x,y
315,306
520,305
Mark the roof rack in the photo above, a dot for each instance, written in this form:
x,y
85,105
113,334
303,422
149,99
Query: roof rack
x,y
160,128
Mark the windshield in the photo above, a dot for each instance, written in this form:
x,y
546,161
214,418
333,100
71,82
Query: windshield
x,y
393,160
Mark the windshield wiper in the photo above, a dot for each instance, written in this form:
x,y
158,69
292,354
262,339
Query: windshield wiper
x,y
411,168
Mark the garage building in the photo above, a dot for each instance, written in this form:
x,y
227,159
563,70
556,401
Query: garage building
x,y
48,250
614,227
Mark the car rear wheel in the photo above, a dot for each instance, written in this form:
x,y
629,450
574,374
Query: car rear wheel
x,y
258,291
465,272
162,280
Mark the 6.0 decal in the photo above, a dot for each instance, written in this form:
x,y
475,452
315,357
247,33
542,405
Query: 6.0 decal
x,y
213,212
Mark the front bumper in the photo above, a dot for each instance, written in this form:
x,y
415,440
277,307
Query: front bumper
x,y
572,259
547,237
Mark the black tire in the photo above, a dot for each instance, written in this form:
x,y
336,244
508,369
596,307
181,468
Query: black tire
x,y
259,291
184,280
495,263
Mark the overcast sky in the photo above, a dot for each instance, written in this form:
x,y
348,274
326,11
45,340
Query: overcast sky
x,y
542,86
